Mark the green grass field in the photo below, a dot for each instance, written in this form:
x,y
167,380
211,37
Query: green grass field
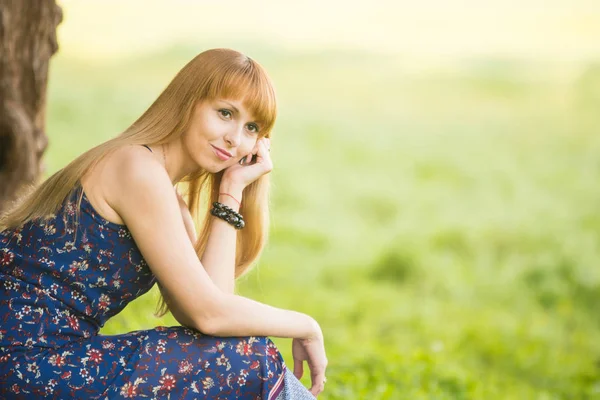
x,y
440,222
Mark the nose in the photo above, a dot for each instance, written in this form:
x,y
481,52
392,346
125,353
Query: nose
x,y
233,136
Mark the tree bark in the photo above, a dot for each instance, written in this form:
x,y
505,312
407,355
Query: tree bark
x,y
27,41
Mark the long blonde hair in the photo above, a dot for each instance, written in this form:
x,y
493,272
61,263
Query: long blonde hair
x,y
216,73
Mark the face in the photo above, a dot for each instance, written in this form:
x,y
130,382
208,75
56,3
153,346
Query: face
x,y
221,132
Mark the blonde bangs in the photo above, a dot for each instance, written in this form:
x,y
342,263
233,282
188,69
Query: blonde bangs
x,y
249,84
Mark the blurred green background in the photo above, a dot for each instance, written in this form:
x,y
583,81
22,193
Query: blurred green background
x,y
435,197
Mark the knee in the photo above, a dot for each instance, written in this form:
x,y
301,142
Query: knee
x,y
269,349
251,344
262,341
256,347
263,356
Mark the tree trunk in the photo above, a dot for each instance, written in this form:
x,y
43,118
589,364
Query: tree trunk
x,y
27,41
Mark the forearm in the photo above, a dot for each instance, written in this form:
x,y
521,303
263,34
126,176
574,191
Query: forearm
x,y
218,258
241,316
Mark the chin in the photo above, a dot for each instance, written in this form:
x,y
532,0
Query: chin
x,y
206,164
214,169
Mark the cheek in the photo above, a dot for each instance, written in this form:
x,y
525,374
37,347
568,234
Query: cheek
x,y
208,129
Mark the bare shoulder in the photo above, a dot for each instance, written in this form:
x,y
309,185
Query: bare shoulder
x,y
134,179
101,183
131,165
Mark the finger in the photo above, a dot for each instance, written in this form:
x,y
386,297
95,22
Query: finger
x,y
254,154
298,369
315,390
250,158
318,383
247,159
263,150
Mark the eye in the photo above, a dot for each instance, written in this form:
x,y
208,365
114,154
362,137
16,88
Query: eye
x,y
225,113
253,128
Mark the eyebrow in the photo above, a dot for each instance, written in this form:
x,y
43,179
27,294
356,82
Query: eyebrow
x,y
232,106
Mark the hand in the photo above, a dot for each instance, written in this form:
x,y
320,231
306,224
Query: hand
x,y
246,173
311,350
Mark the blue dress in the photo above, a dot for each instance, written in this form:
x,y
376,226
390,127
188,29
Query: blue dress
x,y
57,290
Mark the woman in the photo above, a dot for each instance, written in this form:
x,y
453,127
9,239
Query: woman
x,y
104,229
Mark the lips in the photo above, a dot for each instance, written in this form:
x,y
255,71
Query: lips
x,y
222,154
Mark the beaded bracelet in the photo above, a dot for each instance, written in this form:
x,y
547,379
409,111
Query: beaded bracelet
x,y
227,214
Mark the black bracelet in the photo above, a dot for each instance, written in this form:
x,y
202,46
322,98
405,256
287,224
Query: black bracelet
x,y
227,214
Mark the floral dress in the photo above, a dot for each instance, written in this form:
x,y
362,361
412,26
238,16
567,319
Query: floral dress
x,y
57,290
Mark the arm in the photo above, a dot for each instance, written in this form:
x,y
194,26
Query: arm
x,y
142,193
219,256
188,222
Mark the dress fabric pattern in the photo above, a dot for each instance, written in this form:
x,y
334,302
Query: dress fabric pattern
x,y
57,290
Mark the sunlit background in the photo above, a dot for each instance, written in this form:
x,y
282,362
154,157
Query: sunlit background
x,y
435,198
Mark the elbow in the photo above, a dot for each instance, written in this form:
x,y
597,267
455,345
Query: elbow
x,y
213,326
208,327
214,322
226,287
